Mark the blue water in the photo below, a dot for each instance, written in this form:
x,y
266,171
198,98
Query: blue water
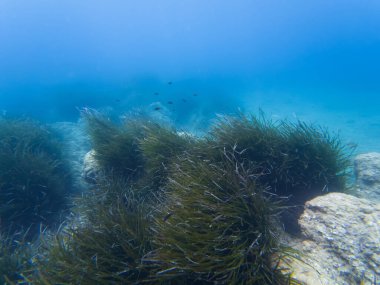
x,y
189,60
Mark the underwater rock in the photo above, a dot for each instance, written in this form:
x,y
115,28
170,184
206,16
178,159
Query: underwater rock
x,y
91,167
340,242
367,171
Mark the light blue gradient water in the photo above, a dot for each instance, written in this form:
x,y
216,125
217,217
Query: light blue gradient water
x,y
312,60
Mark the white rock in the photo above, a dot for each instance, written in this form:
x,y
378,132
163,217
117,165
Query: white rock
x,y
341,241
91,167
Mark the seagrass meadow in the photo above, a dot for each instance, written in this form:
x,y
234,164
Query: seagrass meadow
x,y
134,148
35,183
169,207
34,175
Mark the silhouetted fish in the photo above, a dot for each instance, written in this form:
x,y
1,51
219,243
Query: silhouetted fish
x,y
170,102
195,94
156,93
157,108
170,83
184,100
167,216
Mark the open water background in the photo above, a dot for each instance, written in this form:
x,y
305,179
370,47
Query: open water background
x,y
317,61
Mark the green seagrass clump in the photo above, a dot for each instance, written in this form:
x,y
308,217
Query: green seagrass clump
x,y
138,149
160,146
116,146
217,225
299,160
34,176
104,244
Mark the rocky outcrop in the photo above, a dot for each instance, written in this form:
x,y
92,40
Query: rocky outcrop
x,y
367,172
341,241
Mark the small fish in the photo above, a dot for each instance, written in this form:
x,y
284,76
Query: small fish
x,y
195,94
167,216
170,83
117,100
157,108
156,93
184,100
170,102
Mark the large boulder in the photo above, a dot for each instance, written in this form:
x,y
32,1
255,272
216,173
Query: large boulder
x,y
340,241
367,172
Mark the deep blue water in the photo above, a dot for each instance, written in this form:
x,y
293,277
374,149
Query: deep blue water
x,y
189,60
